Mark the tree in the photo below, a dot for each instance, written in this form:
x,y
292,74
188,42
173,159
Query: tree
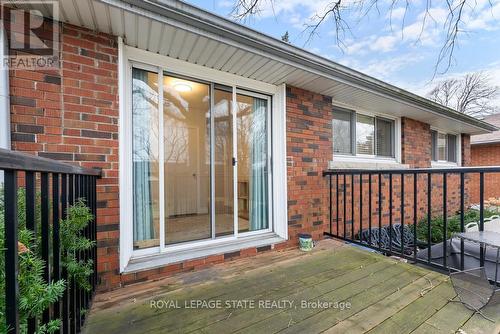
x,y
471,94
341,12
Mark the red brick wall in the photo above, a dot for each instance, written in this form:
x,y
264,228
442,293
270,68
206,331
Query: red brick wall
x,y
309,149
72,115
485,155
415,143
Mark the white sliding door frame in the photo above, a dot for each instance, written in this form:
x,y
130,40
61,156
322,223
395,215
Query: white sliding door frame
x,y
276,97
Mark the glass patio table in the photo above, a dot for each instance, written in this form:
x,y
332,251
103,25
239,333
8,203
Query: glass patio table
x,y
472,285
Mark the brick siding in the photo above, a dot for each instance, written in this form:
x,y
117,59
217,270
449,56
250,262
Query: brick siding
x,y
486,155
72,115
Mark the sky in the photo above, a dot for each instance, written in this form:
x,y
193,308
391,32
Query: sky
x,y
398,48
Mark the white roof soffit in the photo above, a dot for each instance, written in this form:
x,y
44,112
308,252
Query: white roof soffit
x,y
183,31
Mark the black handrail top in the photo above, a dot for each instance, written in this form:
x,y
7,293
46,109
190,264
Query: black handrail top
x,y
14,160
452,170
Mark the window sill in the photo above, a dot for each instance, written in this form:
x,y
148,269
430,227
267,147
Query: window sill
x,y
443,164
357,162
175,256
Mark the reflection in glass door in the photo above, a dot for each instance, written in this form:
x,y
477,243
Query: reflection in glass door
x,y
252,151
208,176
186,109
223,161
145,160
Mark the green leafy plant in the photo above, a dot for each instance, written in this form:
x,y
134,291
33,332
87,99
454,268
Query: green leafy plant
x,y
72,242
35,295
453,225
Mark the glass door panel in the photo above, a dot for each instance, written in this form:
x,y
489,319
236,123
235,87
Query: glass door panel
x,y
145,158
187,160
223,161
252,157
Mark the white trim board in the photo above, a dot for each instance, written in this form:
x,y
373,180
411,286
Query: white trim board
x,y
168,254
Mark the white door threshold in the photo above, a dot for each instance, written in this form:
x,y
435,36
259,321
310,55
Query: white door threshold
x,y
200,251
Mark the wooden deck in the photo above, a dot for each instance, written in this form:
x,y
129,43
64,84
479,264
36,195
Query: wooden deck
x,y
384,295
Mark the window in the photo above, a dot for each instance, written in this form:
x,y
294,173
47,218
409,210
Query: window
x,y
363,135
342,131
177,138
444,147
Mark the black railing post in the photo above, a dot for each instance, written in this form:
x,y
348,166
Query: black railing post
x,y
402,225
370,209
330,202
390,214
56,241
445,219
94,224
380,210
345,207
352,206
462,221
481,215
337,207
360,206
31,225
78,299
45,233
429,208
11,255
64,274
415,218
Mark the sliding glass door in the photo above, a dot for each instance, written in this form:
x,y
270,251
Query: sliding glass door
x,y
252,152
208,176
186,116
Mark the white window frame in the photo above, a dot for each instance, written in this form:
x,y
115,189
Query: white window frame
x,y
277,159
458,148
364,158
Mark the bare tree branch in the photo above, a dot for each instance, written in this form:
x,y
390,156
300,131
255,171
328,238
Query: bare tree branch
x,y
342,11
471,94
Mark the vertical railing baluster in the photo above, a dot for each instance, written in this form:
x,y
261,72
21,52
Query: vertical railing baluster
x,y
390,213
71,283
445,219
56,241
369,209
345,206
352,206
360,207
462,220
64,274
402,209
78,196
429,207
379,210
337,198
481,216
330,201
11,255
94,223
45,233
415,212
31,225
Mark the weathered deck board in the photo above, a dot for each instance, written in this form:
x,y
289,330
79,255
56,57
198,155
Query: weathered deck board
x,y
384,295
373,315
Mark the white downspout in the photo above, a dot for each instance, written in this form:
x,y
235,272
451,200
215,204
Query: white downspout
x,y
4,92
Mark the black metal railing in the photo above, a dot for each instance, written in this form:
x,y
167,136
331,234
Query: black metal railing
x,y
60,185
382,210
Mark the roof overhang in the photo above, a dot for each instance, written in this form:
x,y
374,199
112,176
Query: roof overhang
x,y
185,32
